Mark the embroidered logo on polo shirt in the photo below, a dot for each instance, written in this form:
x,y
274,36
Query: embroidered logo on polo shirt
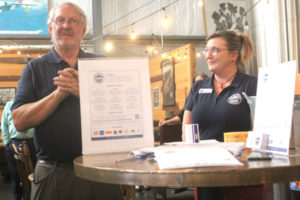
x,y
235,99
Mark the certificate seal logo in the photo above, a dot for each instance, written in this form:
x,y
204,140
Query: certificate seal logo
x,y
235,99
98,77
266,77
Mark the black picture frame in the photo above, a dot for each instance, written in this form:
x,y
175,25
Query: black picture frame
x,y
168,87
155,97
6,94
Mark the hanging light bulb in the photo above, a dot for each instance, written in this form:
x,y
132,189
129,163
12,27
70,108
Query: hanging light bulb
x,y
198,54
178,56
164,55
40,52
185,54
28,53
133,35
246,26
108,46
150,49
166,21
155,51
200,3
19,52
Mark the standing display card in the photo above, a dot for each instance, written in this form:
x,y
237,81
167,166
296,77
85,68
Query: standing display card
x,y
274,105
115,104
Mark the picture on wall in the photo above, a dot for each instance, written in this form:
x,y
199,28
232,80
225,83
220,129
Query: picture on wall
x,y
23,17
168,87
225,15
6,94
155,97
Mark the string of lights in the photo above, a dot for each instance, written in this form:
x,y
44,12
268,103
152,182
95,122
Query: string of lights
x,y
145,17
126,15
253,6
133,33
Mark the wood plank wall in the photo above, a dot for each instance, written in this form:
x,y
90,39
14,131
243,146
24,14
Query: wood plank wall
x,y
185,69
11,67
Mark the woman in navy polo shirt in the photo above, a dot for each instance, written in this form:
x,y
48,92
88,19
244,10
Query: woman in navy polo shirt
x,y
217,103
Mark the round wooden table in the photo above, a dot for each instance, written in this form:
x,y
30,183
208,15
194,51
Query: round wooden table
x,y
114,168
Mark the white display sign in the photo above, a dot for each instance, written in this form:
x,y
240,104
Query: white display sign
x,y
274,105
115,103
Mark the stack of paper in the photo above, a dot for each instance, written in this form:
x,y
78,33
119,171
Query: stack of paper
x,y
233,147
194,155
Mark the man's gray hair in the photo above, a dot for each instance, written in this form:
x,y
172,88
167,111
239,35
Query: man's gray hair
x,y
80,11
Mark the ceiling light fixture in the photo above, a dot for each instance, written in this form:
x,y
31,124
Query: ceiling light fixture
x,y
200,3
133,35
108,46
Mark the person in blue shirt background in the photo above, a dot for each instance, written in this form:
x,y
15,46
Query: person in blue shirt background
x,y
178,118
11,136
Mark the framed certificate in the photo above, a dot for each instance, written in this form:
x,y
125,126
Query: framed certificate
x,y
115,103
167,67
274,105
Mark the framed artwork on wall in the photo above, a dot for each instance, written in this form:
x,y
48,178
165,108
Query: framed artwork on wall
x,y
225,15
155,97
6,94
24,18
168,87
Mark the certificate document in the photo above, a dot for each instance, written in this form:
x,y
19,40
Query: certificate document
x,y
115,100
274,105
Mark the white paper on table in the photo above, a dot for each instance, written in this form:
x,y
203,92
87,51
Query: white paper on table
x,y
190,156
274,105
235,148
115,103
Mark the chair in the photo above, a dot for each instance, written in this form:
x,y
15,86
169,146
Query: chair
x,y
170,133
25,168
128,191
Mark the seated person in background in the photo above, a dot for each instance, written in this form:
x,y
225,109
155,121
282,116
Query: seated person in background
x,y
178,119
11,136
217,103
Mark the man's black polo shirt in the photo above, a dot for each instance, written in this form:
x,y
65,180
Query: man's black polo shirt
x,y
58,138
229,112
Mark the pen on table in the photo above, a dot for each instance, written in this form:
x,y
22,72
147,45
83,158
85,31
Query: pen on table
x,y
249,101
133,157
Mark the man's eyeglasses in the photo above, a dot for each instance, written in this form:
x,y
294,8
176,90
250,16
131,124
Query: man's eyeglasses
x,y
213,50
60,20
